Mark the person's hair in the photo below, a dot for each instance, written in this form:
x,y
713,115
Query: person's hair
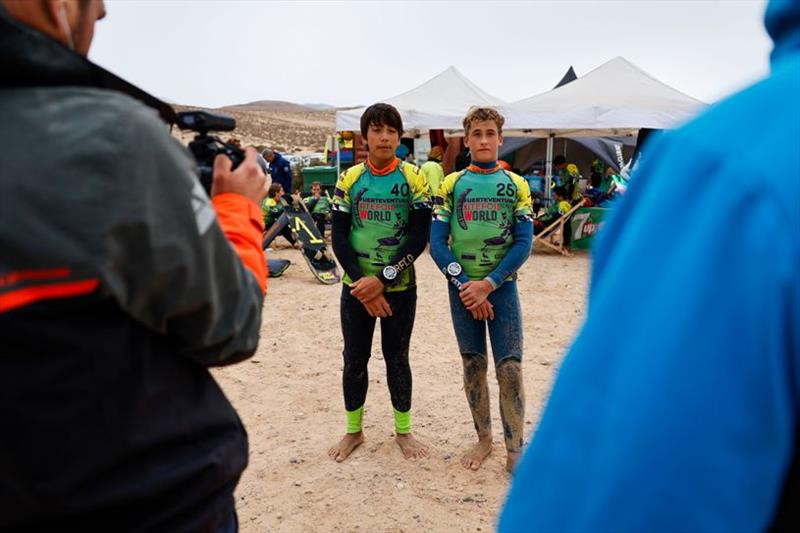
x,y
381,115
436,154
479,114
274,189
559,160
316,184
268,152
560,191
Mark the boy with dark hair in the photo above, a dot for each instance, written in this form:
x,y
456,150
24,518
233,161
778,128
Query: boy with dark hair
x,y
319,206
558,207
485,214
381,217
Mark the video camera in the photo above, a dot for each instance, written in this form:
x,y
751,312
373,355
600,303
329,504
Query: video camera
x,y
205,147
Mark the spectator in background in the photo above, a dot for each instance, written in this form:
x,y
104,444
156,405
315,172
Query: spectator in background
x,y
281,172
272,208
560,167
319,206
432,169
559,207
598,169
463,159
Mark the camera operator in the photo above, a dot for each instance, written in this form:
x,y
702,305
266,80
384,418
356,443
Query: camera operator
x,y
120,283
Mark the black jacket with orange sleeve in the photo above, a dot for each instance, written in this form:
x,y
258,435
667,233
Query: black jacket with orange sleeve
x,y
120,284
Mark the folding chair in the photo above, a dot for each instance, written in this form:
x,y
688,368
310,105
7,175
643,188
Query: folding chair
x,y
553,235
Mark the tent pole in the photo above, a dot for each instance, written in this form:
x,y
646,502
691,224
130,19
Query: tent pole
x,y
549,166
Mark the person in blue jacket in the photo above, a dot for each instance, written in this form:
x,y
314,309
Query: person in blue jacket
x,y
280,170
676,409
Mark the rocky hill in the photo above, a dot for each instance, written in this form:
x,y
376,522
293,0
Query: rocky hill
x,y
283,126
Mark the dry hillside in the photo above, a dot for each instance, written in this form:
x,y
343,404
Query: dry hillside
x,y
288,128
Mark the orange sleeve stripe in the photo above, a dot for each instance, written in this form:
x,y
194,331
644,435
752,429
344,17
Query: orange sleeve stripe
x,y
12,278
28,295
240,219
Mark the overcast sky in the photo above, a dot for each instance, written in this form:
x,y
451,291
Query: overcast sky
x,y
214,53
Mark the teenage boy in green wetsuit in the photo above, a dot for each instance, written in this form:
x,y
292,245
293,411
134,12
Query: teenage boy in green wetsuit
x,y
485,212
381,218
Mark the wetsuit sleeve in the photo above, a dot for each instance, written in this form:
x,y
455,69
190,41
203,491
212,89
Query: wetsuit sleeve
x,y
677,404
419,221
516,256
342,220
443,199
523,236
341,194
340,237
440,227
166,259
440,250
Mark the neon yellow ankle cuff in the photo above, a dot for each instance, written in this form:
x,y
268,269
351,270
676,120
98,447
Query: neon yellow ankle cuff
x,y
354,420
402,422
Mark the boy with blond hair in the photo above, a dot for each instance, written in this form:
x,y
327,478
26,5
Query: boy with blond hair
x,y
485,213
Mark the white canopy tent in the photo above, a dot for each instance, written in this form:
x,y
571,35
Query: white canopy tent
x,y
616,98
439,103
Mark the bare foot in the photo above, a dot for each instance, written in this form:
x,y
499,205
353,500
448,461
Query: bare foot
x,y
345,447
411,447
511,461
475,455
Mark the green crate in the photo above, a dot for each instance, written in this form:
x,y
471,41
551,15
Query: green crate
x,y
326,176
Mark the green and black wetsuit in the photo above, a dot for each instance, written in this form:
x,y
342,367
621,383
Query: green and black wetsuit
x,y
380,218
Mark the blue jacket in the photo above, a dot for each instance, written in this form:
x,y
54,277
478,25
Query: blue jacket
x,y
676,409
281,172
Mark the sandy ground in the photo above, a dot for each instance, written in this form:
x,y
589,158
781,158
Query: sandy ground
x,y
289,397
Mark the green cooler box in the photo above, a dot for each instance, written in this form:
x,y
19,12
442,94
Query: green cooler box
x,y
326,176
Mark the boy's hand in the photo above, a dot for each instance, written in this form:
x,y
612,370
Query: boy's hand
x,y
366,288
475,292
378,307
483,311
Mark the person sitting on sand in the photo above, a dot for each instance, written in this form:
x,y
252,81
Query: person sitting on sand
x,y
485,213
558,207
381,216
272,208
319,206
